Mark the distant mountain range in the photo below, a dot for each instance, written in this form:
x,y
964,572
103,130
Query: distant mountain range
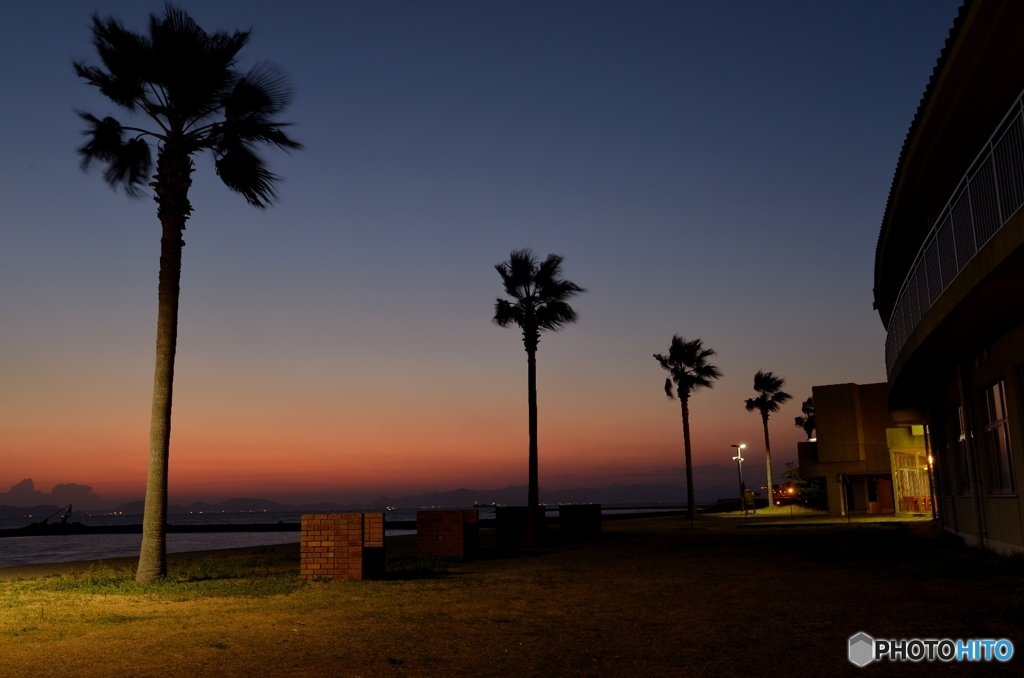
x,y
512,495
34,512
517,495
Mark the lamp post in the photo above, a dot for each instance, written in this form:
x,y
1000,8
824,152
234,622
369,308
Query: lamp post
x,y
739,471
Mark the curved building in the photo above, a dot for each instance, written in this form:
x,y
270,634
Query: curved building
x,y
949,275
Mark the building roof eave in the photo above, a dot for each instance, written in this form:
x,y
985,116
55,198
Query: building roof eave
x,y
884,306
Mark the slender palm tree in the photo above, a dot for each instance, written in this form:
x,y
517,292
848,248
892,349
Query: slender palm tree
x,y
770,397
539,302
183,84
689,369
807,422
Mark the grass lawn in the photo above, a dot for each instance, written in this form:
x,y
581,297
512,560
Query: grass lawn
x,y
652,598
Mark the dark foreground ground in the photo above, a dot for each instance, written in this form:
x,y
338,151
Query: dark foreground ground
x,y
653,598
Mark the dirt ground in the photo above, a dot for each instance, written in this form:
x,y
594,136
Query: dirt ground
x,y
652,598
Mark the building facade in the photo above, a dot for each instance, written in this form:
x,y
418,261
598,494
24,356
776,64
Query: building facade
x,y
949,275
866,461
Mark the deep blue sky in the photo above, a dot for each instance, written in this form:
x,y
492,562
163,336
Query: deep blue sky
x,y
717,170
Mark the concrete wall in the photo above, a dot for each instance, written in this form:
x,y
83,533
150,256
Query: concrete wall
x,y
853,425
852,420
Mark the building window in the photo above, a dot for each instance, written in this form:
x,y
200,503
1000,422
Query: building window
x,y
997,441
958,443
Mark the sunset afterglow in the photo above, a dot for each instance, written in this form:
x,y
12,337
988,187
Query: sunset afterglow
x,y
715,171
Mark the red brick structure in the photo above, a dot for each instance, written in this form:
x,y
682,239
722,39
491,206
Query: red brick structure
x,y
448,533
342,546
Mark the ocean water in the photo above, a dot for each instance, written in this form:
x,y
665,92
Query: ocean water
x,y
247,518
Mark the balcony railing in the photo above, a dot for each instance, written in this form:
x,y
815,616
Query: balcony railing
x,y
989,193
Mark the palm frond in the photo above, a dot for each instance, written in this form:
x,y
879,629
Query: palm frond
x,y
195,70
506,313
539,294
518,274
223,136
668,387
186,81
127,57
687,363
262,92
128,162
244,172
554,314
770,394
548,270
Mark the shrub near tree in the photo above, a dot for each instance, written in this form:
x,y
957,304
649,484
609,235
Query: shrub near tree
x,y
183,83
689,370
810,492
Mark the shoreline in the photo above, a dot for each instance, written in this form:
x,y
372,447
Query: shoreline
x,y
70,567
399,544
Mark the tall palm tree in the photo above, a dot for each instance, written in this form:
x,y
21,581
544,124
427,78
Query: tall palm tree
x,y
184,86
770,397
539,302
807,422
689,369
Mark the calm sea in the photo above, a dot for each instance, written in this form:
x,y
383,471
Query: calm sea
x,y
15,551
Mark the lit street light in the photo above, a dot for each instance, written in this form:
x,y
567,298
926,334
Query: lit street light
x,y
739,470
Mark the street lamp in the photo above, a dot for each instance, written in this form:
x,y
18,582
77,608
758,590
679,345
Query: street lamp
x,y
739,470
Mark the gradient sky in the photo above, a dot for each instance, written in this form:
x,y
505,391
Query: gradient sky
x,y
717,170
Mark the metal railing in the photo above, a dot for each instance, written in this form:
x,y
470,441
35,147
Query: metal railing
x,y
989,193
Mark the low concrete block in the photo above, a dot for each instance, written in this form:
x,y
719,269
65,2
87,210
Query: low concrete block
x,y
579,523
521,527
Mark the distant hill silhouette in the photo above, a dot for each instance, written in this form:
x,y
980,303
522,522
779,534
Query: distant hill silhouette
x,y
516,495
513,495
239,505
25,495
35,512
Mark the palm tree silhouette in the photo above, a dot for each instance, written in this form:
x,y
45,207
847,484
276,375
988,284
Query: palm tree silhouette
x,y
689,369
540,303
770,397
807,422
184,83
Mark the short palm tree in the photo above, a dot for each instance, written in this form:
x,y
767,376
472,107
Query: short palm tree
x,y
184,83
689,369
807,422
770,397
539,302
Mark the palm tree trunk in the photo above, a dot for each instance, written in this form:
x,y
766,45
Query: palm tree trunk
x,y
690,502
153,556
171,183
534,488
768,460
